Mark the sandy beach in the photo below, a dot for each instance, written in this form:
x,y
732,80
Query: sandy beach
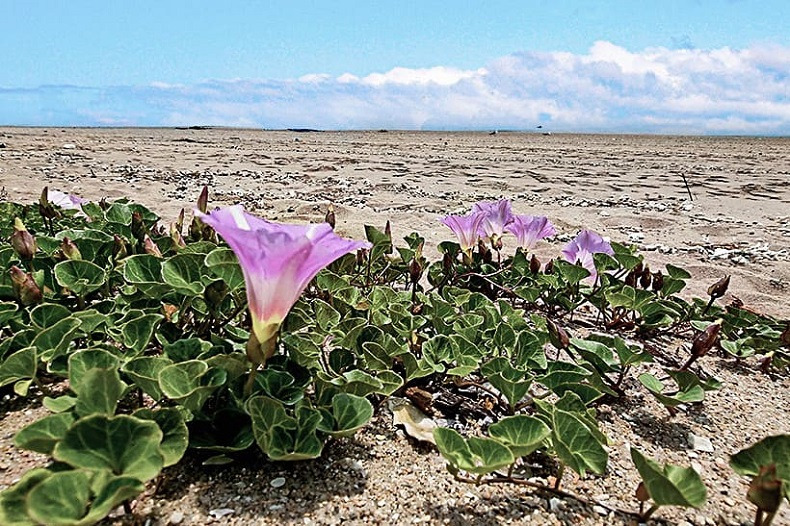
x,y
632,189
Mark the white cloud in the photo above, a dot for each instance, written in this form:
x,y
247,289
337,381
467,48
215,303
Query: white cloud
x,y
609,88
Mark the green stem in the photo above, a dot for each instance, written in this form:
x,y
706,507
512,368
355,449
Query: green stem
x,y
250,383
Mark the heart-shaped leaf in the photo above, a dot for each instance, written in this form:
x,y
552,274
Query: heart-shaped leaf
x,y
175,435
670,485
522,434
100,390
473,455
190,383
772,450
122,444
80,277
349,413
183,273
42,435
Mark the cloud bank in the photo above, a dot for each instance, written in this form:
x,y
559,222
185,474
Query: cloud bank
x,y
608,89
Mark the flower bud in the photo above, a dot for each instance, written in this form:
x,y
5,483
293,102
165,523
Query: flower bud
x,y
415,270
103,204
641,493
484,251
175,235
557,335
138,226
179,224
24,286
630,279
718,289
362,256
658,281
45,208
330,216
23,241
534,264
498,244
705,340
765,490
69,250
202,201
119,248
637,270
644,281
150,247
549,268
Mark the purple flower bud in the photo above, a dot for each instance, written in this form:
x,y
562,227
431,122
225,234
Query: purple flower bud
x,y
69,249
202,201
150,247
25,287
718,289
705,340
534,264
557,335
23,241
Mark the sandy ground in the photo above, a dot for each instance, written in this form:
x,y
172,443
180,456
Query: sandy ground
x,y
629,188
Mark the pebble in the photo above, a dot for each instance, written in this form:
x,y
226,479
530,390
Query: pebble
x,y
176,517
700,443
221,512
279,482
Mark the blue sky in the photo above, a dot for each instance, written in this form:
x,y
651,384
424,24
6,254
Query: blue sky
x,y
691,66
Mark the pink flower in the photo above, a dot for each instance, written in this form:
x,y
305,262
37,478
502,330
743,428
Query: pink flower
x,y
530,229
278,261
581,249
498,214
65,201
466,229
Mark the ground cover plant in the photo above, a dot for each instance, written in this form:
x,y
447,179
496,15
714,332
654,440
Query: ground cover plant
x,y
232,333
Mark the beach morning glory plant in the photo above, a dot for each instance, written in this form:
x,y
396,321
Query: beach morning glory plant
x,y
466,229
496,215
530,229
581,249
278,262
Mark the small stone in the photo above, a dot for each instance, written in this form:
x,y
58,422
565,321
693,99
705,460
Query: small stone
x,y
279,482
700,443
554,504
600,510
176,517
221,512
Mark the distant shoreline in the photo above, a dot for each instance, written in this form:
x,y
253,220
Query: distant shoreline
x,y
482,131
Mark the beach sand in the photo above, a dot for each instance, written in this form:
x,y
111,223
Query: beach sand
x,y
629,188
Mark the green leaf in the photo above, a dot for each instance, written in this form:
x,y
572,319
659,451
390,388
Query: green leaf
x,y
522,434
59,404
175,435
7,311
224,264
145,272
183,273
53,341
138,332
80,277
42,435
144,372
48,314
190,383
670,485
349,413
689,392
284,437
21,365
13,501
186,349
100,390
770,450
475,455
122,444
576,445
677,272
82,361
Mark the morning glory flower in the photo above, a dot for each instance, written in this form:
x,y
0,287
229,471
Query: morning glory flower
x,y
581,249
65,201
278,262
497,215
466,229
530,229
